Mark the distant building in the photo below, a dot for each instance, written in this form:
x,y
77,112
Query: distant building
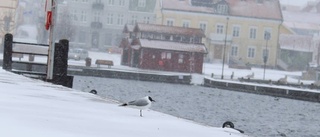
x,y
299,40
99,23
313,7
8,20
240,25
167,48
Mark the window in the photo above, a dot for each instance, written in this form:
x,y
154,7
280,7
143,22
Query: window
x,y
236,31
180,60
169,22
253,33
74,15
267,33
96,16
185,24
203,27
141,3
251,52
146,20
168,55
234,51
219,29
134,19
83,16
109,18
222,9
111,2
121,2
165,55
120,19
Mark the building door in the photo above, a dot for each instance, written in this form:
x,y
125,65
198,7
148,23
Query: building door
x,y
135,61
95,40
218,51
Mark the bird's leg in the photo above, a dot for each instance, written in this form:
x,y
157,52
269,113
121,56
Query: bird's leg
x,y
140,113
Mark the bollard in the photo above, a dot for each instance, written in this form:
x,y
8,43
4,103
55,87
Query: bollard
x,y
60,65
7,52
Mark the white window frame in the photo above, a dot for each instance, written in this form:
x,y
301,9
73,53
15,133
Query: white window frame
x,y
134,19
253,32
180,59
110,18
251,52
203,26
96,16
170,22
234,50
111,2
121,2
186,23
236,30
83,16
146,19
120,19
142,3
269,30
220,28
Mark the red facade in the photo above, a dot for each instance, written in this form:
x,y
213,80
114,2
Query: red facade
x,y
163,55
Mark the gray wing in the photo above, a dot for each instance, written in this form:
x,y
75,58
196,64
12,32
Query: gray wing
x,y
140,102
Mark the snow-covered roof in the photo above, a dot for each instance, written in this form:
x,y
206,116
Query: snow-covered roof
x,y
296,42
169,45
301,17
163,29
301,25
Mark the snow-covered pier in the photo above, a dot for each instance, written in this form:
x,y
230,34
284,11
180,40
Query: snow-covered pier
x,y
167,77
265,89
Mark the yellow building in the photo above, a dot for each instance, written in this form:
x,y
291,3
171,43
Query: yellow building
x,y
241,25
7,17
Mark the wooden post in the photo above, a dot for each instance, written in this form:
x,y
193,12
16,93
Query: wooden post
x,y
7,52
60,65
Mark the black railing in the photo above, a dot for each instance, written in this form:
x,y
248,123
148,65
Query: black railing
x,y
37,69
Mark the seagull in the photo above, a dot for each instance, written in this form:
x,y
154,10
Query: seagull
x,y
142,103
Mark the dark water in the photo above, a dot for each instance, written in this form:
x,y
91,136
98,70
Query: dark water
x,y
257,115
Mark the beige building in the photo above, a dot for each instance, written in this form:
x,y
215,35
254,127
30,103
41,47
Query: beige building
x,y
241,25
7,17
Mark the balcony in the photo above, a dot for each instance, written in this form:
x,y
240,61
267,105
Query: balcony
x,y
96,25
98,6
220,38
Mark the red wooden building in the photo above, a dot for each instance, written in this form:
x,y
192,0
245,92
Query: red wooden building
x,y
166,48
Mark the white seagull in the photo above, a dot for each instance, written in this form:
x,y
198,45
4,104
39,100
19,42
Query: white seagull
x,y
142,103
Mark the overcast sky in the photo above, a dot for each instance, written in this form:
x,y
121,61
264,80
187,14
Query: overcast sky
x,y
295,2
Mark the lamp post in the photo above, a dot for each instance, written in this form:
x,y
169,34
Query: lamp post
x,y
265,56
224,48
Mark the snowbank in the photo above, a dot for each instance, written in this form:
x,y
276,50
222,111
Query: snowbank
x,y
34,108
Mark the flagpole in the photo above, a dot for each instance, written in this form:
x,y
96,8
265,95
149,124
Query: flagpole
x,y
51,42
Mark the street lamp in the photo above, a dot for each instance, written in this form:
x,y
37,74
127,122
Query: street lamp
x,y
224,48
265,56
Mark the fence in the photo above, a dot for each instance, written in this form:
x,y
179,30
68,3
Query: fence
x,y
33,68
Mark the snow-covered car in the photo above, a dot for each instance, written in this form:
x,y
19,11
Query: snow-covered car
x,y
78,54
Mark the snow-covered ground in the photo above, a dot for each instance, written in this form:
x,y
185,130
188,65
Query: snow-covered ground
x,y
32,108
